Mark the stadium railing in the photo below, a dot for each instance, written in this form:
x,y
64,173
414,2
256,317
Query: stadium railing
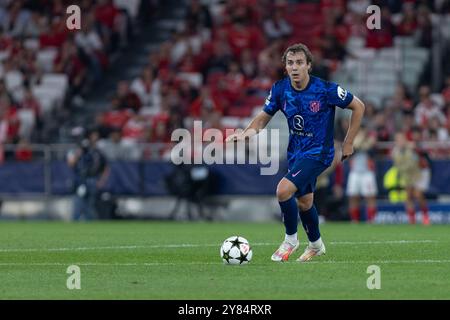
x,y
46,173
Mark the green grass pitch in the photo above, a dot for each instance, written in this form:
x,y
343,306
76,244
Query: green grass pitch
x,y
163,260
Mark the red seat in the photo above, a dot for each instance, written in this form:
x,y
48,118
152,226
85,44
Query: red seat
x,y
254,101
241,111
305,8
214,77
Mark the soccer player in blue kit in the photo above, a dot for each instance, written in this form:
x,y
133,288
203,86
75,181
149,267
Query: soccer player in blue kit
x,y
309,105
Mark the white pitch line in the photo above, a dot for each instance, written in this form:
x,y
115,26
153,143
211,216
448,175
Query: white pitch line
x,y
191,245
382,242
186,245
152,264
67,249
379,261
359,242
119,264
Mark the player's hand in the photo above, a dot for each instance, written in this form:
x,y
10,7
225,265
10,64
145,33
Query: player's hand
x,y
235,137
347,150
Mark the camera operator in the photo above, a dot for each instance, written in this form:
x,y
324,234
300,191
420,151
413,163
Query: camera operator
x,y
193,183
91,172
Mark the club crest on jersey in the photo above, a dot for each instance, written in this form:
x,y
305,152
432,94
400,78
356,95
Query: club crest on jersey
x,y
314,106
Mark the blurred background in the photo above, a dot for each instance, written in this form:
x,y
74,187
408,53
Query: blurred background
x,y
86,115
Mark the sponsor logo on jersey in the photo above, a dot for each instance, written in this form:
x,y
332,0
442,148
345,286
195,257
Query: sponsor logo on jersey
x,y
268,98
342,93
298,123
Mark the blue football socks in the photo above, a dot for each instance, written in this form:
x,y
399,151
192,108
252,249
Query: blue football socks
x,y
290,215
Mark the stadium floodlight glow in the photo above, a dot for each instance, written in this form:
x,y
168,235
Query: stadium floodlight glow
x,y
191,149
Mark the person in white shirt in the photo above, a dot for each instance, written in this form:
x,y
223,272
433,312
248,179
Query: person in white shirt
x,y
148,89
361,179
427,108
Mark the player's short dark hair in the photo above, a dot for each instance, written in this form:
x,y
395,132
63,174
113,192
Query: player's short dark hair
x,y
295,48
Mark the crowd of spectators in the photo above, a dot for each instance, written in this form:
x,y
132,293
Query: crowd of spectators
x,y
219,63
29,28
223,60
424,119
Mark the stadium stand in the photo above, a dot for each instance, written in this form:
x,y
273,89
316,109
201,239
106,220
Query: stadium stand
x,y
215,61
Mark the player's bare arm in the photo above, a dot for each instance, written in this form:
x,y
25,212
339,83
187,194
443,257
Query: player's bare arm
x,y
255,126
357,107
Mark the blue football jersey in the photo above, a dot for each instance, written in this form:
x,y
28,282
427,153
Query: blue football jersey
x,y
310,116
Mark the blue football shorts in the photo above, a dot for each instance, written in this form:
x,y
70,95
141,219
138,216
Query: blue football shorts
x,y
303,174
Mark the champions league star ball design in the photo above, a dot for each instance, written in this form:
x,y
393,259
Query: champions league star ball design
x,y
236,251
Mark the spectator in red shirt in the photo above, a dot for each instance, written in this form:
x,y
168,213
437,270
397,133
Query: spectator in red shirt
x,y
128,99
9,122
248,64
5,41
236,83
219,52
188,93
381,38
408,126
135,129
53,33
116,117
408,24
108,17
68,62
189,62
160,132
23,151
205,104
106,13
241,36
383,134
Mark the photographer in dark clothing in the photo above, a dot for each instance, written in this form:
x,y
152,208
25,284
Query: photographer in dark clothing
x,y
91,172
193,183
